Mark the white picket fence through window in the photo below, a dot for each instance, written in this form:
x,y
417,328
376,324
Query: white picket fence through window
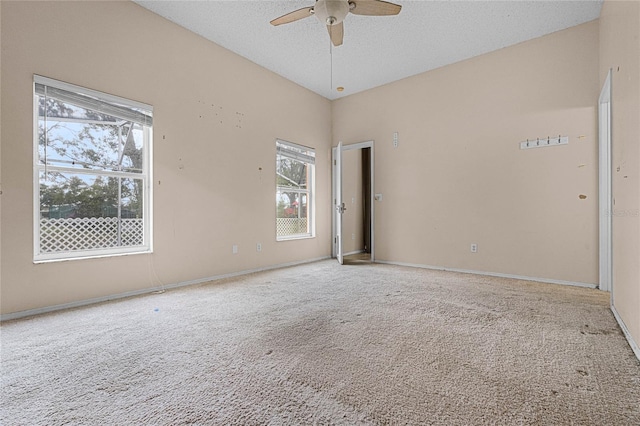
x,y
286,226
73,234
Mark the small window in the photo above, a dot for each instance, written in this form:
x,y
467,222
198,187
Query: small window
x,y
92,154
294,191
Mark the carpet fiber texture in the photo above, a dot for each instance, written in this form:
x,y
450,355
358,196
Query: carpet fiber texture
x,y
327,344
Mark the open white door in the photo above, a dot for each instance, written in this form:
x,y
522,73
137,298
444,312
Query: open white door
x,y
339,205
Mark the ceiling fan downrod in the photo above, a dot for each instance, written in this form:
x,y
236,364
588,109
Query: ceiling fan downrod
x,y
331,12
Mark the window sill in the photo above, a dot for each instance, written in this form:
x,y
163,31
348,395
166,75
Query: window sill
x,y
91,256
295,237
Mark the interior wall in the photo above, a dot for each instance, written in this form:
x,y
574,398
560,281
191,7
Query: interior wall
x,y
216,118
458,176
352,218
0,154
619,47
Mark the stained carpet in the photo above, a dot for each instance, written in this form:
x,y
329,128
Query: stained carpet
x,y
323,344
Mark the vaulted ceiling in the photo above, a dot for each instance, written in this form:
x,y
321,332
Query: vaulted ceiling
x,y
377,50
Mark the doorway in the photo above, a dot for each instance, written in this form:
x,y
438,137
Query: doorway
x,y
353,195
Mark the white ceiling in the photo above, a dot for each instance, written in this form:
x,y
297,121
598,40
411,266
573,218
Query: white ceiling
x,y
425,35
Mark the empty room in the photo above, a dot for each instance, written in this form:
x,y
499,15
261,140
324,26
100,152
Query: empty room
x,y
320,212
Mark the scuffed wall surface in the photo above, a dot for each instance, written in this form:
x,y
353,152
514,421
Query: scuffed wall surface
x,y
619,47
458,176
216,118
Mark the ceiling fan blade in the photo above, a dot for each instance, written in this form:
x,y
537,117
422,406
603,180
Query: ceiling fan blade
x,y
336,32
374,7
293,16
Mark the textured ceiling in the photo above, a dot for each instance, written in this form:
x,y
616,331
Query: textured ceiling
x,y
377,50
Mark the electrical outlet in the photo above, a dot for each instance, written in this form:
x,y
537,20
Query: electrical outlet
x,y
395,139
234,249
258,247
353,236
474,248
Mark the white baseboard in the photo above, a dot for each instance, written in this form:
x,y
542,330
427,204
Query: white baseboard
x,y
353,252
627,334
491,274
46,309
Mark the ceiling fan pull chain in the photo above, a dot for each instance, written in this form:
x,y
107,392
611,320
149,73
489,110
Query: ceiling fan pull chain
x,y
331,58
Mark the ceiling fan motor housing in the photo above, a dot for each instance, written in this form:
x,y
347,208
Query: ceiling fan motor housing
x,y
331,12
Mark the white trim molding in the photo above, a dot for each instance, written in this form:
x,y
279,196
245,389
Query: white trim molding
x,y
634,346
491,274
161,288
604,187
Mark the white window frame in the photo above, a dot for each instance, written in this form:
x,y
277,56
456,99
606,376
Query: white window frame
x,y
146,176
282,149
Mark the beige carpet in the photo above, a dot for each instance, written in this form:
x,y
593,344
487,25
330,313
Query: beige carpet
x,y
324,344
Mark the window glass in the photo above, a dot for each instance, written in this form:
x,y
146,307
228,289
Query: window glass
x,y
93,174
294,191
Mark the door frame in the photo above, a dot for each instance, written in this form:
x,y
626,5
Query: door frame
x,y
604,188
338,204
334,215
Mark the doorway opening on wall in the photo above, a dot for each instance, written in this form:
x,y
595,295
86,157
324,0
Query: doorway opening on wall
x,y
353,195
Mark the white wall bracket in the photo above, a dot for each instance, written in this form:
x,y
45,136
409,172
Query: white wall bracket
x,y
548,141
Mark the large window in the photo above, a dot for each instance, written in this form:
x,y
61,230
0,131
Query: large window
x,y
92,172
294,191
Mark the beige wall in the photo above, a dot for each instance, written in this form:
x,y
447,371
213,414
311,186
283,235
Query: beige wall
x,y
0,158
458,176
216,117
619,47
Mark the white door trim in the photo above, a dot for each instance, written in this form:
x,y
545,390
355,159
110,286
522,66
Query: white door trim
x,y
604,185
338,210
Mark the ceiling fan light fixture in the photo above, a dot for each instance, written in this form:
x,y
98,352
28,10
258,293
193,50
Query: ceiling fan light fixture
x,y
331,12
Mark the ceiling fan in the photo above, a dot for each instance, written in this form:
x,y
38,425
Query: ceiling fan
x,y
333,12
